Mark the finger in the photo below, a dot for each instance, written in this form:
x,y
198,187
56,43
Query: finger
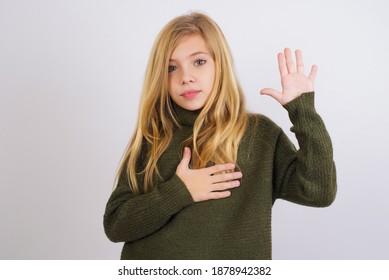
x,y
226,177
289,61
299,62
282,65
185,159
219,168
225,186
313,73
273,93
218,195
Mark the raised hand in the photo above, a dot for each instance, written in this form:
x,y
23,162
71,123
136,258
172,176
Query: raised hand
x,y
293,81
207,183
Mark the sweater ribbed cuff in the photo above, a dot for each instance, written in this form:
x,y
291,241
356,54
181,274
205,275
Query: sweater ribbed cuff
x,y
302,107
176,193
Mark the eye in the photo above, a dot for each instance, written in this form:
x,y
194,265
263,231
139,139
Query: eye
x,y
200,62
171,68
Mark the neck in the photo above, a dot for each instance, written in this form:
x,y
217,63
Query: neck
x,y
185,117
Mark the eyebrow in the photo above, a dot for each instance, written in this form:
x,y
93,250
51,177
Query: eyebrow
x,y
194,54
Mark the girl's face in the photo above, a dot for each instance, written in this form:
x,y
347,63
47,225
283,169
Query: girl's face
x,y
191,73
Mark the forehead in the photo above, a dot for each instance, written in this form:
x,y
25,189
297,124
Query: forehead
x,y
189,45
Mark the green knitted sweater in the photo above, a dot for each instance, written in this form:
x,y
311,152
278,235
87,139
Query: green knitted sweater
x,y
167,224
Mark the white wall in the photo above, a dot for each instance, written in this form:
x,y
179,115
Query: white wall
x,y
70,79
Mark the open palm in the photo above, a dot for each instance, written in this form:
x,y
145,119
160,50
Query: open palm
x,y
293,81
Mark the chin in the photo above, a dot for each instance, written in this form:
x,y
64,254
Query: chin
x,y
192,107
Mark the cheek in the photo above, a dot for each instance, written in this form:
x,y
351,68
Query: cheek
x,y
172,88
211,77
170,85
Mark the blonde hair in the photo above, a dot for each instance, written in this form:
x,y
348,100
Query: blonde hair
x,y
220,125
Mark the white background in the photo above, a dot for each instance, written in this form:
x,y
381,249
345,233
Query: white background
x,y
70,79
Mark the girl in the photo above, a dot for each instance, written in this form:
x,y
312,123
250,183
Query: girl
x,y
200,175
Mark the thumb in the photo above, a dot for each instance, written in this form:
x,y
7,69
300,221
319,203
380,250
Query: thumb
x,y
186,158
273,93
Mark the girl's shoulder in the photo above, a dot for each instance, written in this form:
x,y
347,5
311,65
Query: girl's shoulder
x,y
261,122
261,129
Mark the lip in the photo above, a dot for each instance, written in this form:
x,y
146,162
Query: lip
x,y
190,93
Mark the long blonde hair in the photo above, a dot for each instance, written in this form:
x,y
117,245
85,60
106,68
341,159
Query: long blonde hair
x,y
220,125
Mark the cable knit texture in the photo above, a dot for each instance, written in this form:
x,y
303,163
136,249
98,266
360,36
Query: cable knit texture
x,y
167,224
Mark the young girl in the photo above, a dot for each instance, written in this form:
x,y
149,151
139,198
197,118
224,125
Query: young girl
x,y
200,175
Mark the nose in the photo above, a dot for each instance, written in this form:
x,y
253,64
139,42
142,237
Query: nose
x,y
187,77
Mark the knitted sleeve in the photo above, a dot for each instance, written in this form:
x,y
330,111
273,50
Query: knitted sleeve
x,y
129,217
306,176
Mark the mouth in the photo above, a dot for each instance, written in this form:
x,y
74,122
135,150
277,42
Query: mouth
x,y
190,93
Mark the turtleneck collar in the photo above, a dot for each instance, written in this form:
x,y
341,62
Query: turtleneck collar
x,y
185,117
